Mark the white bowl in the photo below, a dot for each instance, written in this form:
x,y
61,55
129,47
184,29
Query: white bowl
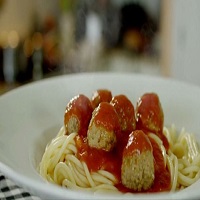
x,y
32,115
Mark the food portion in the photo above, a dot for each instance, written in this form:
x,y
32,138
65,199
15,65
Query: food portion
x,y
107,144
126,113
150,116
103,127
101,95
77,115
137,171
149,113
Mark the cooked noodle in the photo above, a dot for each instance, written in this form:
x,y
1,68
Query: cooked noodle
x,y
60,165
183,158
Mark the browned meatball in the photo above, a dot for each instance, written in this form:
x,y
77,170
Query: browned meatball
x,y
137,170
103,127
101,95
77,115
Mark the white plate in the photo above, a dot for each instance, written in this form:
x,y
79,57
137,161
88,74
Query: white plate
x,y
31,115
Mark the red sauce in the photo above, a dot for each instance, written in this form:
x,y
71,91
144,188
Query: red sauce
x,y
125,111
137,141
162,175
149,113
111,161
98,159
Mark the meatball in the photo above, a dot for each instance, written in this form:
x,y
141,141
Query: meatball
x,y
77,115
149,113
137,170
150,116
101,95
125,111
103,127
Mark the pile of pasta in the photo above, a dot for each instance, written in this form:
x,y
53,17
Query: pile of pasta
x,y
61,165
183,158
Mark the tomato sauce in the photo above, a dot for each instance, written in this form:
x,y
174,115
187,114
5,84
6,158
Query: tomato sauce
x,y
98,159
162,180
111,161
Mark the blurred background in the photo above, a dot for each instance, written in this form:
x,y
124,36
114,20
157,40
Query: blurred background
x,y
45,38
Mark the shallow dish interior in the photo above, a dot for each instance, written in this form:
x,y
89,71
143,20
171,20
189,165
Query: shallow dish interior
x,y
33,114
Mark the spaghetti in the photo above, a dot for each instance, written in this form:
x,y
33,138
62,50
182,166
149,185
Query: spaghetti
x,y
183,158
61,166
